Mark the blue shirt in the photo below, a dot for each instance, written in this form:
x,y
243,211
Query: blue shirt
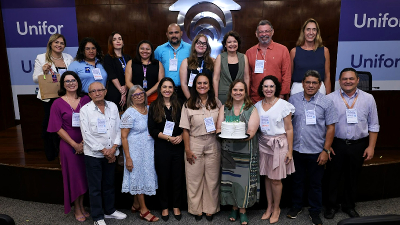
x,y
84,71
165,52
310,139
367,115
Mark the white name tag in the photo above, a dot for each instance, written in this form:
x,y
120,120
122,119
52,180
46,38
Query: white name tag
x,y
259,67
75,120
61,71
168,128
210,125
265,125
97,74
351,115
101,126
173,65
310,117
191,79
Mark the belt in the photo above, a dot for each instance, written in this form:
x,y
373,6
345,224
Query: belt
x,y
352,142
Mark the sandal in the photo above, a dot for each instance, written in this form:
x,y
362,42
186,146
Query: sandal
x,y
80,218
243,219
152,219
233,215
133,209
86,214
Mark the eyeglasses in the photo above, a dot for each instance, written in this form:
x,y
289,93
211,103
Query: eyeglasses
x,y
70,81
98,90
309,83
138,95
269,86
200,43
265,31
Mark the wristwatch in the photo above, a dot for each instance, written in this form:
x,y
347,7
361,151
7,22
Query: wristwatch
x,y
327,151
168,139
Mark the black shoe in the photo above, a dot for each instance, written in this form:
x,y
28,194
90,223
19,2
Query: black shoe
x,y
315,219
330,213
178,217
293,212
351,212
165,218
198,217
209,218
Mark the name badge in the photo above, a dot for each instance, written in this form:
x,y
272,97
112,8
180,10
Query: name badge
x,y
101,126
173,65
259,67
97,74
191,79
168,128
310,117
351,115
61,71
75,120
144,83
210,125
265,125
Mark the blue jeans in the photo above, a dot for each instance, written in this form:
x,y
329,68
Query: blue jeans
x,y
307,165
100,177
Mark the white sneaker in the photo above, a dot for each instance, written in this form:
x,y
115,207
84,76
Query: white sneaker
x,y
100,222
116,215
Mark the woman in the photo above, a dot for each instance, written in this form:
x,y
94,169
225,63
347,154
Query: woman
x,y
275,142
202,150
310,54
144,70
115,64
64,119
239,157
140,177
229,66
88,63
168,146
54,61
199,61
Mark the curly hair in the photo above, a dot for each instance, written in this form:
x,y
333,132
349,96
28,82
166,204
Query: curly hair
x,y
278,86
80,54
232,34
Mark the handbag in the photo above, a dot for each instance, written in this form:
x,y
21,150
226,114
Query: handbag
x,y
49,85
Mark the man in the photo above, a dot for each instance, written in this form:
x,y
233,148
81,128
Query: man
x,y
102,136
171,55
313,132
268,58
354,142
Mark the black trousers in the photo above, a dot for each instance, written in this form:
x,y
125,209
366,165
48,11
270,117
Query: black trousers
x,y
346,164
169,164
51,140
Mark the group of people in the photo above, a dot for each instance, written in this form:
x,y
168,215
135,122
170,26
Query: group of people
x,y
173,101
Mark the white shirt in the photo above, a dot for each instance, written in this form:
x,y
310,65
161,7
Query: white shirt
x,y
276,114
94,142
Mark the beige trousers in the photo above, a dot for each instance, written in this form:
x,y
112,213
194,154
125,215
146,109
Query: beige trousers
x,y
203,177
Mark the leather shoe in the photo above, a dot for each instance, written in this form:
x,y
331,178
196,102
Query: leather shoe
x,y
351,212
165,218
178,217
198,217
330,213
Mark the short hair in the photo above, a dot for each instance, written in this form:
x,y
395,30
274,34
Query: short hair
x,y
52,39
111,46
312,73
80,54
318,39
347,70
96,82
138,58
264,22
233,34
63,91
130,93
278,86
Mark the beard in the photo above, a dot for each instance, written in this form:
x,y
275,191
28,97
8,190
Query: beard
x,y
261,41
175,41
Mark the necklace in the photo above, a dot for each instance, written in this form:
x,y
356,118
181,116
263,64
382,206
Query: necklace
x,y
56,58
142,112
270,103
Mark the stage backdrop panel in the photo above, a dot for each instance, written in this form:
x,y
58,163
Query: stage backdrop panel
x,y
369,40
28,24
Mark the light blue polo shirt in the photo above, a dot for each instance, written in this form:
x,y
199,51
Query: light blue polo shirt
x,y
165,52
84,71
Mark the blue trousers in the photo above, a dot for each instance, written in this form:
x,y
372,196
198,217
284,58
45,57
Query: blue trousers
x,y
307,165
100,177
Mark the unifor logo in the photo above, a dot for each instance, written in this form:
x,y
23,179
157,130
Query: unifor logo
x,y
212,18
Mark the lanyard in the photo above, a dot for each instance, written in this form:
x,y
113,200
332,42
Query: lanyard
x,y
176,53
305,108
263,55
201,68
123,63
345,102
145,70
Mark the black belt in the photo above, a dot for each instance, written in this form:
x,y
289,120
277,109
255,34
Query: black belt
x,y
352,142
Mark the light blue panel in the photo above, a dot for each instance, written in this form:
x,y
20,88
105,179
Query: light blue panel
x,y
22,61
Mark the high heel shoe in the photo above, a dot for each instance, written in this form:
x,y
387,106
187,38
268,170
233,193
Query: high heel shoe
x,y
133,209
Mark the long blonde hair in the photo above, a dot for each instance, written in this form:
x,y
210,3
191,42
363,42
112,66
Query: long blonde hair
x,y
52,39
318,39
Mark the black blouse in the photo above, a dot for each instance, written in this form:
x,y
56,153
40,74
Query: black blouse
x,y
208,72
151,74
